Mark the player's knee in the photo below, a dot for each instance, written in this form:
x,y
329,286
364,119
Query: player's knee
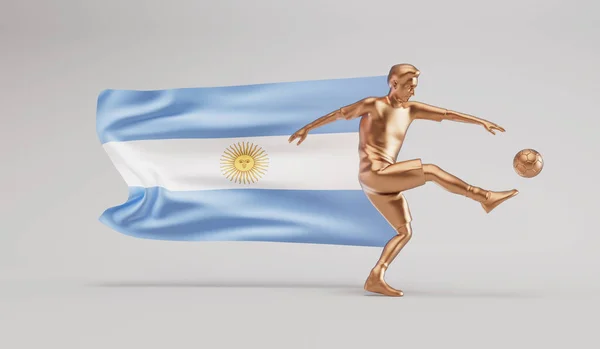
x,y
431,172
405,230
430,169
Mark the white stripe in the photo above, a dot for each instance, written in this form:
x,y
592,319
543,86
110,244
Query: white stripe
x,y
321,162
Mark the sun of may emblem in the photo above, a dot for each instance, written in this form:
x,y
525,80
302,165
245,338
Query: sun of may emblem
x,y
244,162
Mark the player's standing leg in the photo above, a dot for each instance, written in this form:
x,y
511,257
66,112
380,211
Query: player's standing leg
x,y
394,208
376,281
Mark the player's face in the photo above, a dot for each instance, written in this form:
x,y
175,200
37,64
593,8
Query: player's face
x,y
412,86
406,90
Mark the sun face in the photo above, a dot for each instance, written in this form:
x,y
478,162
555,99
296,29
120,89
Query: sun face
x,y
244,163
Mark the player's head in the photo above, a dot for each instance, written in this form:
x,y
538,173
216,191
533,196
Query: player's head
x,y
403,79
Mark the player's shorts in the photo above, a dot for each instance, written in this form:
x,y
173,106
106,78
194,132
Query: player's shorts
x,y
393,207
393,178
384,189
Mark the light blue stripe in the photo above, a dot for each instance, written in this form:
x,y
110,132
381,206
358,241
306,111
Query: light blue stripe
x,y
225,112
294,216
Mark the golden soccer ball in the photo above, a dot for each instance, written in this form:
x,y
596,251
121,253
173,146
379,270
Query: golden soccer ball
x,y
528,163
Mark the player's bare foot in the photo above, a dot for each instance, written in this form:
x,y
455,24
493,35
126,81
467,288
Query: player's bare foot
x,y
376,284
496,198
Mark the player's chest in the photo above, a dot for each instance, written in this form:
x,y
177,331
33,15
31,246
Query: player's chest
x,y
395,118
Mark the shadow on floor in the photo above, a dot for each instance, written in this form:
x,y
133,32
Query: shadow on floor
x,y
218,284
341,288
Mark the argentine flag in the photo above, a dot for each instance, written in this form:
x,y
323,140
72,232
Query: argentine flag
x,y
214,163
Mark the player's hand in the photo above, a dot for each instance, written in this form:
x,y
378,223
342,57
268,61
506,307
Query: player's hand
x,y
300,134
491,127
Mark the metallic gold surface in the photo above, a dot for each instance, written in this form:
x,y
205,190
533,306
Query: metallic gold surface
x,y
383,126
528,163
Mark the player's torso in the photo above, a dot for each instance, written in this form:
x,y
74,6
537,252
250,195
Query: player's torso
x,y
382,132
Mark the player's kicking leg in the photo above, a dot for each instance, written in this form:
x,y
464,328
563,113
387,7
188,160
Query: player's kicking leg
x,y
488,199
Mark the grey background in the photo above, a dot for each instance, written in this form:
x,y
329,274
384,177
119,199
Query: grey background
x,y
525,275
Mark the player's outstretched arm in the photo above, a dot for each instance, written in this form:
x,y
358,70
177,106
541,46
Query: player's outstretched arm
x,y
429,112
348,112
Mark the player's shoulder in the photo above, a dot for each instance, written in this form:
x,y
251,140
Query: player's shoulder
x,y
420,110
370,100
367,104
415,105
419,107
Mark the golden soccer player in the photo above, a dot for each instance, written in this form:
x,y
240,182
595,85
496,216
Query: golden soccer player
x,y
383,125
